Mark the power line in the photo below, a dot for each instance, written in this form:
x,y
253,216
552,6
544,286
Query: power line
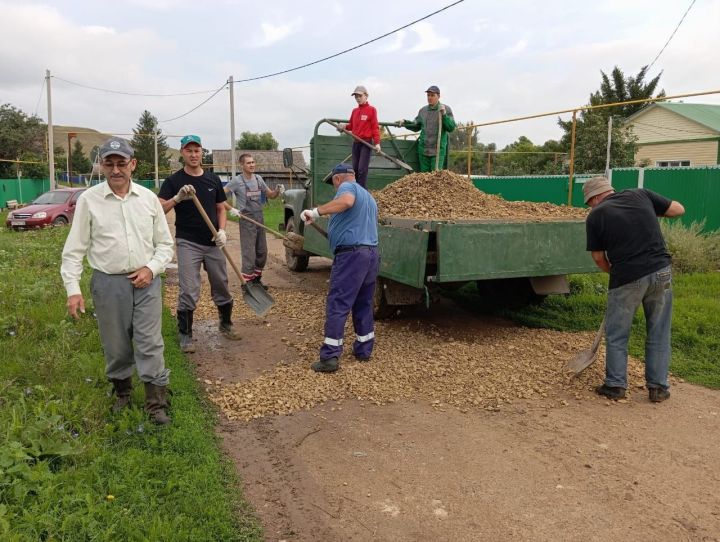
x,y
111,91
350,49
315,61
671,35
42,87
197,106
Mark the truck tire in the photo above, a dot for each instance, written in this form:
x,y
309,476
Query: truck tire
x,y
295,262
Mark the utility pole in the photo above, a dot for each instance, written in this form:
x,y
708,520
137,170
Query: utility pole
x,y
232,126
157,173
51,143
609,141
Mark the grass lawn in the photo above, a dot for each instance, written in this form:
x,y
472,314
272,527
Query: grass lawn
x,y
695,328
69,470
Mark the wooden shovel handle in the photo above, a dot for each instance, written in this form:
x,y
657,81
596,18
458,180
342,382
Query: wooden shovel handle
x,y
209,224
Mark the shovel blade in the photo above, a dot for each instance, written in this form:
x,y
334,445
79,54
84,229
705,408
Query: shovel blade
x,y
257,298
582,360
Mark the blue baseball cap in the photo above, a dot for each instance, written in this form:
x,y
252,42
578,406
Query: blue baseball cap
x,y
434,89
340,169
189,139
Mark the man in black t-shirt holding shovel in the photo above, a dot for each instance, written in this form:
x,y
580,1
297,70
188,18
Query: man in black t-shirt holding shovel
x,y
624,238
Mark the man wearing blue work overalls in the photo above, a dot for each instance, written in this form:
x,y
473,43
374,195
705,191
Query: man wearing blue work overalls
x,y
353,236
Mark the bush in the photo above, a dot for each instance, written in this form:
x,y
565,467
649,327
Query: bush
x,y
692,250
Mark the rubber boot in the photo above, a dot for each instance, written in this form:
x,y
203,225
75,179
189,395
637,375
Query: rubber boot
x,y
226,325
156,403
185,323
122,389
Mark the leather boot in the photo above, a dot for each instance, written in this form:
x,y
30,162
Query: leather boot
x,y
185,323
226,325
122,389
156,403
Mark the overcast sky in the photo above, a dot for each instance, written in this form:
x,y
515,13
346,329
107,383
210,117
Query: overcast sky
x,y
491,60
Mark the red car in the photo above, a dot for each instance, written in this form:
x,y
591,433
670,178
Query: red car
x,y
55,208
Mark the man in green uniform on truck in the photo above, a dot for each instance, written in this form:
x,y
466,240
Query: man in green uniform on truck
x,y
432,121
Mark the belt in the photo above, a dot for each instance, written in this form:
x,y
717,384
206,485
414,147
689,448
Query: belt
x,y
350,248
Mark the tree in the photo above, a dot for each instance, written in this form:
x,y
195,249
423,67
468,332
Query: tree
x,y
143,142
618,88
20,136
591,129
80,163
252,141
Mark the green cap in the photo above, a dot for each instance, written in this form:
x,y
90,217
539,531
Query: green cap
x,y
190,139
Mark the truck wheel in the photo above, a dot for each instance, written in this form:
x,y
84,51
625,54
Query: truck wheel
x,y
381,309
294,261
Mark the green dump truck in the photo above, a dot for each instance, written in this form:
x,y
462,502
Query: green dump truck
x,y
514,262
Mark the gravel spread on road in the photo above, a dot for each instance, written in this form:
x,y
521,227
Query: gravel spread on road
x,y
444,195
486,368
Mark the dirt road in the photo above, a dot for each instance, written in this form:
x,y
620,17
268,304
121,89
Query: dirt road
x,y
425,456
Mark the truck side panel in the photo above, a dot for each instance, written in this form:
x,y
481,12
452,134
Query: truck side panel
x,y
489,250
403,255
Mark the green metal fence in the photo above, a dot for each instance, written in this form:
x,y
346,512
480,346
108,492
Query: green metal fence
x,y
21,190
698,189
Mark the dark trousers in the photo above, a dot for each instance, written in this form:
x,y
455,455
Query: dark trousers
x,y
361,161
352,288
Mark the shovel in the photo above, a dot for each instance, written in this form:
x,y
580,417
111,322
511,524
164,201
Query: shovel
x,y
584,359
439,141
381,153
292,240
254,295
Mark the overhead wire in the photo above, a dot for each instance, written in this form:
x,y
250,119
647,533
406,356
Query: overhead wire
x,y
197,106
37,105
307,64
282,72
673,34
127,93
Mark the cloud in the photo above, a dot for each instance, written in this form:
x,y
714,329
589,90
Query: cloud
x,y
515,49
272,33
429,40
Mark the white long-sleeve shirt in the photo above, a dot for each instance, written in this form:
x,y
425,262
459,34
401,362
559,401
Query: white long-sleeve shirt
x,y
118,235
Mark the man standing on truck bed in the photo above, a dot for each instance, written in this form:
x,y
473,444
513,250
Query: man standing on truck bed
x,y
353,237
364,124
625,240
196,245
432,120
248,187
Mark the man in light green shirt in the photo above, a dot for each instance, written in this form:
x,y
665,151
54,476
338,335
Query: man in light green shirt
x,y
121,228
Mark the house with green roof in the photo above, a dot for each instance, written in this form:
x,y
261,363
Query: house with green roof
x,y
676,135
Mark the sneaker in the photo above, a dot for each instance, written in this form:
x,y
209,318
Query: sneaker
x,y
325,365
658,395
186,343
611,392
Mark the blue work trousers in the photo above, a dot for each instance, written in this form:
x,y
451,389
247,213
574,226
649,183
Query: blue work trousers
x,y
654,292
361,161
352,288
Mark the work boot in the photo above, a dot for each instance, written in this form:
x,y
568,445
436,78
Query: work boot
x,y
611,392
658,395
226,325
185,323
156,403
122,389
257,281
325,365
